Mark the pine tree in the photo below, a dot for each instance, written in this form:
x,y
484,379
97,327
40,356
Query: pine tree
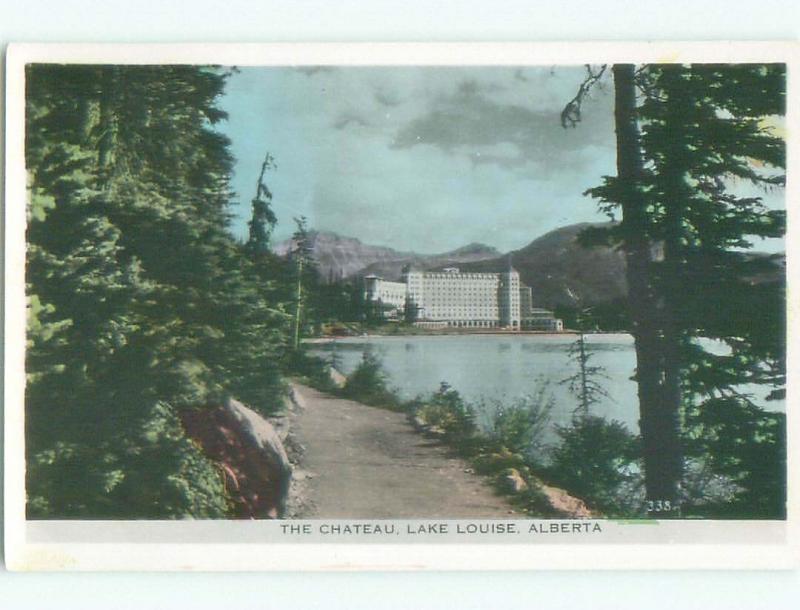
x,y
714,117
263,218
697,129
141,303
306,277
586,382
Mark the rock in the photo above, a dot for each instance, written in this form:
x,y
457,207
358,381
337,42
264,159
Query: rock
x,y
340,256
282,427
259,434
296,397
418,423
513,481
338,379
250,455
287,403
567,505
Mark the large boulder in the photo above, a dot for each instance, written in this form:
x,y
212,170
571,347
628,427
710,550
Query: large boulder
x,y
250,454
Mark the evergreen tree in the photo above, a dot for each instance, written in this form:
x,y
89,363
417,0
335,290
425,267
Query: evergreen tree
x,y
684,229
263,220
140,302
410,311
306,278
714,116
585,383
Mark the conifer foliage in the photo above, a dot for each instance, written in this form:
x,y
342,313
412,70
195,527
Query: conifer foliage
x,y
140,302
695,143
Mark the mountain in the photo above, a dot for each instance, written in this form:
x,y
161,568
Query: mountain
x,y
392,269
341,257
562,272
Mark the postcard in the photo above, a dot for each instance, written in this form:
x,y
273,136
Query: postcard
x,y
400,306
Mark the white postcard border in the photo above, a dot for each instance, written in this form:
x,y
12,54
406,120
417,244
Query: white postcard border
x,y
677,553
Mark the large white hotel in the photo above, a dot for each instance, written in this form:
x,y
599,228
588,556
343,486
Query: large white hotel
x,y
450,298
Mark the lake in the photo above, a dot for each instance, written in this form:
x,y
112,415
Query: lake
x,y
498,367
502,368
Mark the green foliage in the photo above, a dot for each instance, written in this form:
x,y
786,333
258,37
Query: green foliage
x,y
410,311
609,316
597,460
311,369
705,131
449,413
368,383
747,446
140,301
521,425
263,219
339,302
585,382
496,460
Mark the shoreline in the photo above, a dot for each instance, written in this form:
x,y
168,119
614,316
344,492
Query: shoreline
x,y
320,478
494,333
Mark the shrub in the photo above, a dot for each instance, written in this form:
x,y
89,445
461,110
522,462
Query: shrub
x,y
368,384
597,460
142,467
744,446
499,461
521,426
447,411
309,368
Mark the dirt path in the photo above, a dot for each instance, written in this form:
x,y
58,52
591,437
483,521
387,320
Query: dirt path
x,y
364,462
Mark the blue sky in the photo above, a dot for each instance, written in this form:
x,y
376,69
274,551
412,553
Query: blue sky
x,y
421,158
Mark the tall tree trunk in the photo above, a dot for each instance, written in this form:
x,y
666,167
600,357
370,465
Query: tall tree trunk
x,y
677,193
661,478
584,381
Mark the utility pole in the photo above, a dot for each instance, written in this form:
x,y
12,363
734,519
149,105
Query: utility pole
x,y
299,301
301,250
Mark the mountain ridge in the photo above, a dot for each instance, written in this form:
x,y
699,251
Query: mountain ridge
x,y
560,271
342,257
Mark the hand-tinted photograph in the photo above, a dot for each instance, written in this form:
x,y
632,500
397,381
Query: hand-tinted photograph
x,y
405,292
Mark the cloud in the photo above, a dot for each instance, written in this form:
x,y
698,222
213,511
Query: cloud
x,y
350,119
312,70
473,121
425,159
386,98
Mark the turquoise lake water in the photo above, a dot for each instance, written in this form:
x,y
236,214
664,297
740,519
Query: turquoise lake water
x,y
501,368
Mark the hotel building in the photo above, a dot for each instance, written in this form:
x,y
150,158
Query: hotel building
x,y
450,298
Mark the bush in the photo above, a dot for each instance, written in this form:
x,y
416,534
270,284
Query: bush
x,y
496,462
521,426
744,446
311,369
597,460
448,412
368,384
134,468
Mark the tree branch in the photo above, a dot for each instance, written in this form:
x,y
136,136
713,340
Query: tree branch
x,y
571,115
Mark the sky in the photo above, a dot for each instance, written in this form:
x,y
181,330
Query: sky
x,y
424,159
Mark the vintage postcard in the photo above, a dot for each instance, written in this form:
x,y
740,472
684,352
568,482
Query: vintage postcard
x,y
401,306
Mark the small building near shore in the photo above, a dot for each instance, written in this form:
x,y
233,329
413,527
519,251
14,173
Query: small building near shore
x,y
542,319
390,297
